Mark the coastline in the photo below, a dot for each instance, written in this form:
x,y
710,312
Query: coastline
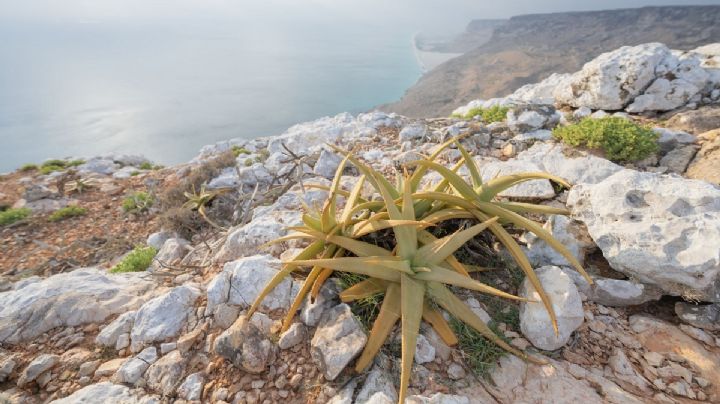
x,y
430,60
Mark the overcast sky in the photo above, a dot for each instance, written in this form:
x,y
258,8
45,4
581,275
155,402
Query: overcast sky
x,y
423,13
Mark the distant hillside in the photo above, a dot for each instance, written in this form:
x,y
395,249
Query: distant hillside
x,y
477,32
526,49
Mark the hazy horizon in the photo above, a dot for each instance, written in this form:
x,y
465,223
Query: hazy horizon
x,y
163,77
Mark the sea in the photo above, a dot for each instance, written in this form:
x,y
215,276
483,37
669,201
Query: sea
x,y
80,88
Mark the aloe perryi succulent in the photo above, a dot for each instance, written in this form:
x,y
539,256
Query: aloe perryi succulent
x,y
420,269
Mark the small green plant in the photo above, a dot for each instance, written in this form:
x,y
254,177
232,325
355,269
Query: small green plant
x,y
28,167
75,163
198,200
496,113
47,169
137,260
248,162
146,166
11,215
479,352
237,150
139,202
66,212
620,138
135,173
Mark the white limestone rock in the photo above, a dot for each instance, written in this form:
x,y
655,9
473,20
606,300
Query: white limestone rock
x,y
542,92
294,335
39,365
133,369
569,233
531,117
191,388
571,165
246,346
614,79
377,381
159,238
413,131
620,292
164,375
424,351
338,339
660,230
69,299
534,189
241,281
110,334
535,321
674,88
104,392
172,251
327,164
438,398
98,165
164,316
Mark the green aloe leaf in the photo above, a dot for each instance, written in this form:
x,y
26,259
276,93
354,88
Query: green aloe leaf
x,y
411,299
383,325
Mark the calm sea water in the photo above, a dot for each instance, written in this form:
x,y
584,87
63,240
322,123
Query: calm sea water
x,y
82,89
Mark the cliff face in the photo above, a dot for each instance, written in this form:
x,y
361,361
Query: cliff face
x,y
528,48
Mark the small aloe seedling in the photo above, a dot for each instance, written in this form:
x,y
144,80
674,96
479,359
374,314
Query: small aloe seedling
x,y
198,200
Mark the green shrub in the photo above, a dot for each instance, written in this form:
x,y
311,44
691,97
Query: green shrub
x,y
248,162
75,163
139,202
137,260
47,169
146,166
237,150
495,113
66,212
28,167
11,216
620,138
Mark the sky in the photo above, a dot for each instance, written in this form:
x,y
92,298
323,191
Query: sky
x,y
421,14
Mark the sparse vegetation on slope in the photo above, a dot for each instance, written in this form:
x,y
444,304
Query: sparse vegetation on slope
x,y
136,260
66,212
495,113
11,215
619,138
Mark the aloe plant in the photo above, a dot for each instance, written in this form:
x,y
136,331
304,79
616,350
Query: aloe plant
x,y
420,269
198,200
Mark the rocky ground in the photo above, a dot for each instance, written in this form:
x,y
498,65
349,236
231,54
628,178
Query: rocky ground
x,y
645,331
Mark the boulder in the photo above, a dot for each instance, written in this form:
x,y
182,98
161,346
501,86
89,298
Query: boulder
x,y
165,375
574,166
696,121
338,339
241,281
530,117
327,164
612,80
674,88
159,238
621,293
109,335
69,299
41,364
413,131
35,192
294,335
702,316
245,346
706,164
133,369
660,230
378,380
164,316
534,189
535,321
571,234
104,392
191,388
172,251
542,92
98,166
519,382
677,160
